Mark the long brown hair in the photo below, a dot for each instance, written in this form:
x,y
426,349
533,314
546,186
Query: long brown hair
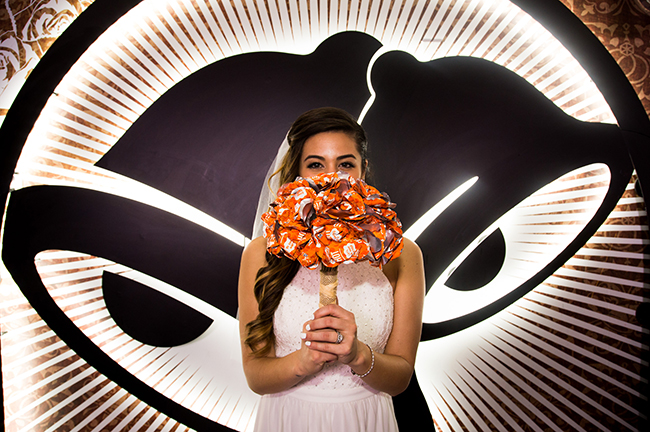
x,y
273,278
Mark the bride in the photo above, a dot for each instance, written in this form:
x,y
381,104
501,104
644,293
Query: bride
x,y
334,367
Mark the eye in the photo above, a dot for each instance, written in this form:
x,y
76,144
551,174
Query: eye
x,y
315,165
347,165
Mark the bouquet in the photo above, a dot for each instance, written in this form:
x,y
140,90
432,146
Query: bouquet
x,y
331,219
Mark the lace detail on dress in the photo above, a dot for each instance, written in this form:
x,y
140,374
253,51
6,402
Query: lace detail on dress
x,y
363,290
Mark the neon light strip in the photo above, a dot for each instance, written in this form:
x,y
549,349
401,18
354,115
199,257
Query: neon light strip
x,y
425,220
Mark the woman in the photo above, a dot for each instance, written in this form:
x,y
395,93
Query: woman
x,y
329,368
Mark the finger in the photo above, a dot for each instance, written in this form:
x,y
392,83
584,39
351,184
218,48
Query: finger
x,y
347,327
329,335
316,359
314,326
319,335
333,310
327,348
322,357
326,323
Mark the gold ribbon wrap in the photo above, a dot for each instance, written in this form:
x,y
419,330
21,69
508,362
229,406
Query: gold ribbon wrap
x,y
329,281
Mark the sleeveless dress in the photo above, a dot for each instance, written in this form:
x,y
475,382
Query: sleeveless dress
x,y
333,399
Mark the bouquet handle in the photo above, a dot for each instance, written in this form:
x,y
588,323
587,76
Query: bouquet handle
x,y
329,281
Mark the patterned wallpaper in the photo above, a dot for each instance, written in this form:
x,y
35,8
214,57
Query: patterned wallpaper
x,y
27,29
623,26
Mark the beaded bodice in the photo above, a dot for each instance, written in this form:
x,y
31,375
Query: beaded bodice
x,y
363,290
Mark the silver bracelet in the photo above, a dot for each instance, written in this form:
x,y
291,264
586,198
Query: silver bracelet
x,y
372,364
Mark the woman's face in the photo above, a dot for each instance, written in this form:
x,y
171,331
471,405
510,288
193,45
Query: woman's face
x,y
328,152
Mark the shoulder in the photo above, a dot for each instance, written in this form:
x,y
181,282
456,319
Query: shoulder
x,y
410,251
409,262
256,245
411,256
254,255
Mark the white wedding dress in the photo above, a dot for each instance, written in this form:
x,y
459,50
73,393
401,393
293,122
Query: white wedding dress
x,y
334,399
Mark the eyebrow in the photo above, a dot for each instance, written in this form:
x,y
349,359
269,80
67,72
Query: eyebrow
x,y
338,158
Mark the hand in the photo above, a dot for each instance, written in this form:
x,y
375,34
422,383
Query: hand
x,y
312,361
320,334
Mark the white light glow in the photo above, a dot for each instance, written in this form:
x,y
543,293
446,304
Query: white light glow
x,y
204,373
115,184
535,232
177,294
421,224
371,89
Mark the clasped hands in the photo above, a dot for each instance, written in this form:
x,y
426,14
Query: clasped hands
x,y
319,339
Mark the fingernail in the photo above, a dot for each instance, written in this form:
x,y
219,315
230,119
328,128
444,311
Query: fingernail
x,y
308,328
303,335
308,343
